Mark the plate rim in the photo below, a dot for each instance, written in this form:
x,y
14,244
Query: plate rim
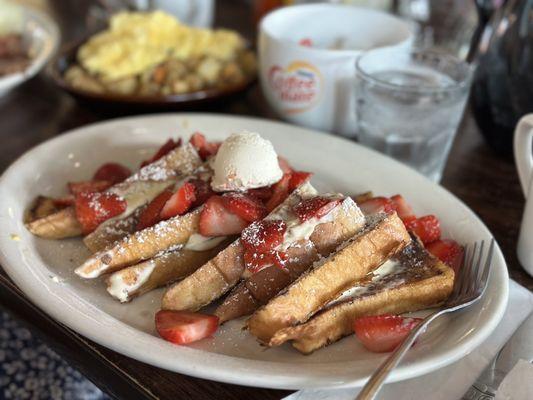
x,y
298,381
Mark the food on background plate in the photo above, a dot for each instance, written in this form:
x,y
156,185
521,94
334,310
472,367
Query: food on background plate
x,y
235,219
153,54
15,54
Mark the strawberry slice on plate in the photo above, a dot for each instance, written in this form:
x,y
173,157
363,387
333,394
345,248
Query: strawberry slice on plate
x,y
376,205
448,251
94,208
205,149
245,206
262,193
315,207
167,147
217,220
151,214
180,202
202,191
88,186
383,333
427,228
403,209
262,236
298,178
112,172
183,327
280,191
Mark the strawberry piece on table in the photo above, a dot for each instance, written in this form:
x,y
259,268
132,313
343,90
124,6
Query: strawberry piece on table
x,y
403,209
383,333
151,214
315,207
448,251
88,186
376,205
169,145
182,327
284,165
205,149
427,228
280,191
180,202
202,191
112,172
94,208
217,220
262,236
245,206
298,178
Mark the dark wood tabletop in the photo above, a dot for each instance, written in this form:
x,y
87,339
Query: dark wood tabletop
x,y
38,110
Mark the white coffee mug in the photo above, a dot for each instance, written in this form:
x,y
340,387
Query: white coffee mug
x,y
313,85
523,142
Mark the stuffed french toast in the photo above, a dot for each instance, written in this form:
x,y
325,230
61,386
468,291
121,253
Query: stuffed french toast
x,y
232,228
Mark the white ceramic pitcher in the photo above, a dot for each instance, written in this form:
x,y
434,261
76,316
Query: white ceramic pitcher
x,y
523,142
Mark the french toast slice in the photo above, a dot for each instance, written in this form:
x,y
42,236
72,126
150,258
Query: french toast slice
x,y
137,190
223,272
382,236
142,245
111,231
138,279
414,281
260,287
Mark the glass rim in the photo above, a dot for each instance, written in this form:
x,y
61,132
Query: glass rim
x,y
458,85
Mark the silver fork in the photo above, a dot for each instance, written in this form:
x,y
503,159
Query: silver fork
x,y
469,287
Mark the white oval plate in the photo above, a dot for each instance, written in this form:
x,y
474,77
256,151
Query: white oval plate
x,y
43,269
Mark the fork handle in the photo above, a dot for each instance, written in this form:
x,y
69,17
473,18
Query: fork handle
x,y
376,381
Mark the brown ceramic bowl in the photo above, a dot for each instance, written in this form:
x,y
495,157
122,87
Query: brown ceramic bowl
x,y
132,103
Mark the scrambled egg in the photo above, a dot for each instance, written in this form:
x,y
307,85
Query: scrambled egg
x,y
136,41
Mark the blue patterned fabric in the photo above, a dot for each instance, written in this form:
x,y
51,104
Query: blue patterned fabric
x,y
30,370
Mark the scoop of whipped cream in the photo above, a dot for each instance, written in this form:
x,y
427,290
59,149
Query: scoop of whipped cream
x,y
245,161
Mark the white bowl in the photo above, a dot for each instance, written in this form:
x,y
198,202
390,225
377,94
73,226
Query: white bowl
x,y
42,35
313,86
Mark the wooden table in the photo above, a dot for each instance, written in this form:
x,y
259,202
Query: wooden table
x,y
38,111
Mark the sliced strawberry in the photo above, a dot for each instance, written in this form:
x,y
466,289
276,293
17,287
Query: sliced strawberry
x,y
280,191
169,145
217,220
376,205
151,214
245,206
255,261
315,207
202,191
284,165
403,209
205,149
262,236
427,228
112,172
383,333
298,178
448,251
180,202
94,208
182,327
263,193
88,186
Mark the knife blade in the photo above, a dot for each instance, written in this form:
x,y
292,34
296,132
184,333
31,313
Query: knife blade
x,y
519,346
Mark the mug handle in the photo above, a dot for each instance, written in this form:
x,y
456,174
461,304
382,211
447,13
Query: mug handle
x,y
523,142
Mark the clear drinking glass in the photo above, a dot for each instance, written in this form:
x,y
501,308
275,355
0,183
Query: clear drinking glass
x,y
410,103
